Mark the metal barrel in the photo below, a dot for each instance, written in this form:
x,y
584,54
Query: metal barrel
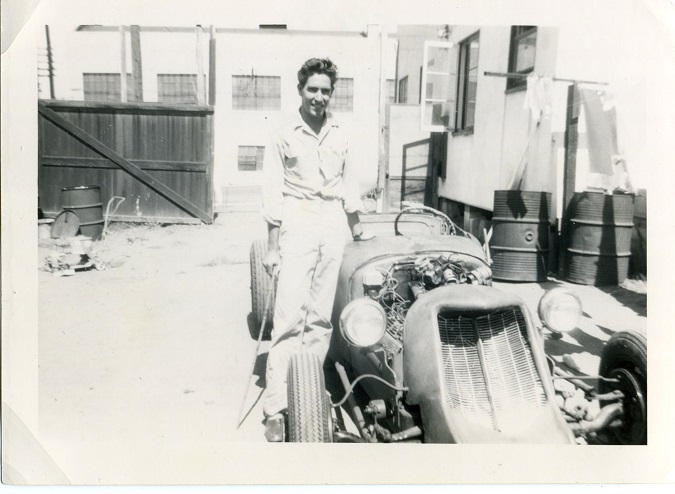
x,y
86,201
601,226
520,235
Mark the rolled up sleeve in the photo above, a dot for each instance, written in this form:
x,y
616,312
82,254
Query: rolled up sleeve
x,y
273,180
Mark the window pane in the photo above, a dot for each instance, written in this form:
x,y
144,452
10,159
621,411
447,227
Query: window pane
x,y
438,60
256,92
438,87
525,52
403,90
250,158
102,87
391,91
177,88
343,96
438,114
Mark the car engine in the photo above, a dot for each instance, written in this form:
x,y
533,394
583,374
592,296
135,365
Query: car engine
x,y
397,286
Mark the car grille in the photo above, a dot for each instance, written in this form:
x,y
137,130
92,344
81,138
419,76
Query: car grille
x,y
490,377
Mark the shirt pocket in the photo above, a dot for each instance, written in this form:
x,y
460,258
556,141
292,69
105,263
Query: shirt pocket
x,y
298,159
333,159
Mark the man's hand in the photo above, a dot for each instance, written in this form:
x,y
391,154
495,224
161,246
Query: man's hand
x,y
361,237
356,228
272,261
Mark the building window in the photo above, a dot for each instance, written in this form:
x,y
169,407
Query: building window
x,y
467,82
343,95
177,88
104,87
391,91
250,158
521,54
403,90
256,92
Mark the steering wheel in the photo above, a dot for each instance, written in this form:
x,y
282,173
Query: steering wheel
x,y
447,226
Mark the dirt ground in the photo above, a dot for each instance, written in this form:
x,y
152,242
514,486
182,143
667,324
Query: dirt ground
x,y
143,365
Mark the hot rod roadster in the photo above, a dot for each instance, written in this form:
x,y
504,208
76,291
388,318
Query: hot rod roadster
x,y
425,349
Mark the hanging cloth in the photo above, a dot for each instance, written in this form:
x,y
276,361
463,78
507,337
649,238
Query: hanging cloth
x,y
600,113
539,96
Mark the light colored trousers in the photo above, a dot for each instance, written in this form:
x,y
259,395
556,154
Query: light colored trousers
x,y
311,244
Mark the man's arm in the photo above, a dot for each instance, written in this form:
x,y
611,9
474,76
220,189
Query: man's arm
x,y
272,258
273,168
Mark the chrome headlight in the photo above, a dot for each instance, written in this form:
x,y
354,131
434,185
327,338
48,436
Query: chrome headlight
x,y
363,322
560,310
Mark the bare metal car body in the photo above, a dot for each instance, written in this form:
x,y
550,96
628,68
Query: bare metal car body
x,y
459,361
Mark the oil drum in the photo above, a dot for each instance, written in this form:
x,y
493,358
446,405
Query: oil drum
x,y
86,201
601,226
520,235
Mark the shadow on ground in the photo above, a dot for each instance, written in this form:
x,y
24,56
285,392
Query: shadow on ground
x,y
633,300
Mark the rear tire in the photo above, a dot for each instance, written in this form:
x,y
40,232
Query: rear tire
x,y
309,409
261,283
625,358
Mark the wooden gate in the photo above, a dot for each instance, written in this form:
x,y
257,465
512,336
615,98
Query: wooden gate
x,y
158,157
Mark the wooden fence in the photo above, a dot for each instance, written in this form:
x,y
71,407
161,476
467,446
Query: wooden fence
x,y
158,157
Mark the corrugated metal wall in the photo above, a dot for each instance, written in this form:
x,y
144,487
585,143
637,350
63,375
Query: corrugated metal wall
x,y
172,143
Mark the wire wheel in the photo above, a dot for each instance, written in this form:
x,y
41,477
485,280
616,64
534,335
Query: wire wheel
x,y
261,283
625,358
309,409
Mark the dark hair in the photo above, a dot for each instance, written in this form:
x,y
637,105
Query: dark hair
x,y
317,66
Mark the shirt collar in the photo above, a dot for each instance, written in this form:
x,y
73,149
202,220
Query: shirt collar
x,y
331,121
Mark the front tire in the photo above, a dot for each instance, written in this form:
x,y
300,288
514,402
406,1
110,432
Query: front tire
x,y
309,409
261,283
625,358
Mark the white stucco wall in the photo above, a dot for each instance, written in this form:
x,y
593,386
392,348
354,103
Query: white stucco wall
x,y
282,54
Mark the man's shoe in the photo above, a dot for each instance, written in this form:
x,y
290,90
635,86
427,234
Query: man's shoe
x,y
275,428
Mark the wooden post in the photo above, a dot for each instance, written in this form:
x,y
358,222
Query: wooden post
x,y
201,93
212,67
570,172
383,206
123,64
137,65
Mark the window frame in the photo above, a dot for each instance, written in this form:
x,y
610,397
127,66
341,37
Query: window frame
x,y
259,158
194,83
448,102
115,97
463,69
345,103
402,96
517,34
257,103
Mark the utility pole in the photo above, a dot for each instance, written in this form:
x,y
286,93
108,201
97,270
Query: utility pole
x,y
50,64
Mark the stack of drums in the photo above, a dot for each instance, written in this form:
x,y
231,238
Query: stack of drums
x,y
520,238
85,201
601,226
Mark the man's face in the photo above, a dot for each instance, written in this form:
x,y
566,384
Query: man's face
x,y
316,95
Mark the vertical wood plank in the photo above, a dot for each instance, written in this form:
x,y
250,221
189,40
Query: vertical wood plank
x,y
570,171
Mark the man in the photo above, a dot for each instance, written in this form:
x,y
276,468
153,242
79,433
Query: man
x,y
310,185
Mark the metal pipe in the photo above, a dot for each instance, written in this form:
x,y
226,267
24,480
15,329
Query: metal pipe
x,y
414,431
516,75
360,421
606,416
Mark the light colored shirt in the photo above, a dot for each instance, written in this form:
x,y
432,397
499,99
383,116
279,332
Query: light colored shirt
x,y
304,165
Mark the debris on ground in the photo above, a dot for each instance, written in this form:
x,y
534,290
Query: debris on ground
x,y
71,255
